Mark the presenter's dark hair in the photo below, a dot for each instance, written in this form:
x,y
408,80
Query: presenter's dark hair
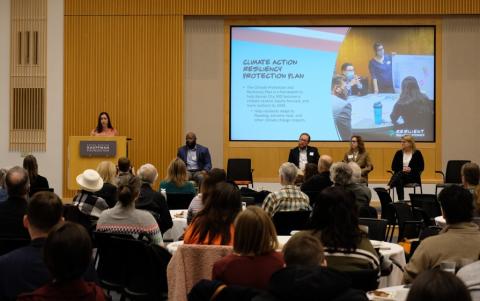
x,y
345,65
306,134
457,204
438,285
376,45
31,166
360,143
99,128
67,251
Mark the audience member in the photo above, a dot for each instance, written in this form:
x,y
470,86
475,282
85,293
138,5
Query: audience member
x,y
289,197
470,173
439,286
303,153
104,126
353,82
358,154
125,219
86,200
37,182
407,165
311,169
3,191
67,254
458,241
196,158
124,167
177,178
214,176
213,225
306,277
254,258
322,179
343,176
470,275
107,171
335,222
151,200
341,108
14,208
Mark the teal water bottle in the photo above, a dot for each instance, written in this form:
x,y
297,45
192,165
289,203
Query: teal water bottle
x,y
377,113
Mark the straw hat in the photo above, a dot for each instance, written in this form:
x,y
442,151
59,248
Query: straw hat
x,y
90,180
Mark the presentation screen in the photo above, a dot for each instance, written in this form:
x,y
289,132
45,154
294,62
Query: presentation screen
x,y
332,82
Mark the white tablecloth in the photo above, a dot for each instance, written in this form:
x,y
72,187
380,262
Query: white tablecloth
x,y
179,218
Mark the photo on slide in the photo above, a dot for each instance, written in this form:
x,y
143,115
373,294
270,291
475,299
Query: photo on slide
x,y
332,82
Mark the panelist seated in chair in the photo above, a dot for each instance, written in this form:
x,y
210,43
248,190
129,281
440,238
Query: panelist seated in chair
x,y
303,153
196,157
289,197
407,166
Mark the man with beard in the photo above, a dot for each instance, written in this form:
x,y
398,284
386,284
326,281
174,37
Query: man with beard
x,y
341,108
196,157
303,154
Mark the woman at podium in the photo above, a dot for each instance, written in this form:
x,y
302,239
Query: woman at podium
x,y
104,126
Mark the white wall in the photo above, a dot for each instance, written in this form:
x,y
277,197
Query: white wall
x,y
50,162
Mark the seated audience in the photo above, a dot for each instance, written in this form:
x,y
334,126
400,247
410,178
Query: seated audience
x,y
311,169
177,178
214,176
289,197
321,180
306,277
125,219
470,173
67,254
107,171
37,182
358,154
213,225
254,258
335,221
23,269
3,191
124,167
14,208
407,165
458,241
342,175
470,275
439,286
86,200
151,200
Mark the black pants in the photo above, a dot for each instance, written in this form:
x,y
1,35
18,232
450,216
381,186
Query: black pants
x,y
399,180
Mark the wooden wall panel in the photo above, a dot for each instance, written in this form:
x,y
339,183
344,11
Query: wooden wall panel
x,y
131,67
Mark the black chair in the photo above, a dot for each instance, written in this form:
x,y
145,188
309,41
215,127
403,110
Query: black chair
x,y
248,200
367,212
287,221
8,244
408,185
388,212
176,201
312,196
365,280
377,228
408,225
73,214
240,171
452,175
428,204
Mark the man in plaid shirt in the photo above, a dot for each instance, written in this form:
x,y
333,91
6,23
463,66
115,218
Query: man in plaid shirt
x,y
289,198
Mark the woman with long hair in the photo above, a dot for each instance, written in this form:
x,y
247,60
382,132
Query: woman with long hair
x,y
335,221
413,106
254,259
37,182
407,165
213,225
177,178
104,126
124,218
470,173
358,154
108,171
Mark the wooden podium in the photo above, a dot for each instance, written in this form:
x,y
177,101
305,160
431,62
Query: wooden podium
x,y
87,151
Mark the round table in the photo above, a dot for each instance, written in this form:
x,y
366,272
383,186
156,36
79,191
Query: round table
x,y
400,293
179,219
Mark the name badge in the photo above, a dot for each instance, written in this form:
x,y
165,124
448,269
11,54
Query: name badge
x,y
311,153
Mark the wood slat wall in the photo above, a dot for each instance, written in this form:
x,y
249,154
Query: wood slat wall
x,y
126,57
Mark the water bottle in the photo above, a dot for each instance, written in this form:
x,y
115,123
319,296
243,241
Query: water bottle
x,y
377,113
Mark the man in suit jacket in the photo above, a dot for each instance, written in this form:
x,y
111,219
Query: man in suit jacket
x,y
196,157
303,154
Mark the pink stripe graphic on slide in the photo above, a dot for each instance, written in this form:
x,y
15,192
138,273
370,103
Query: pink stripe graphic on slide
x,y
319,39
